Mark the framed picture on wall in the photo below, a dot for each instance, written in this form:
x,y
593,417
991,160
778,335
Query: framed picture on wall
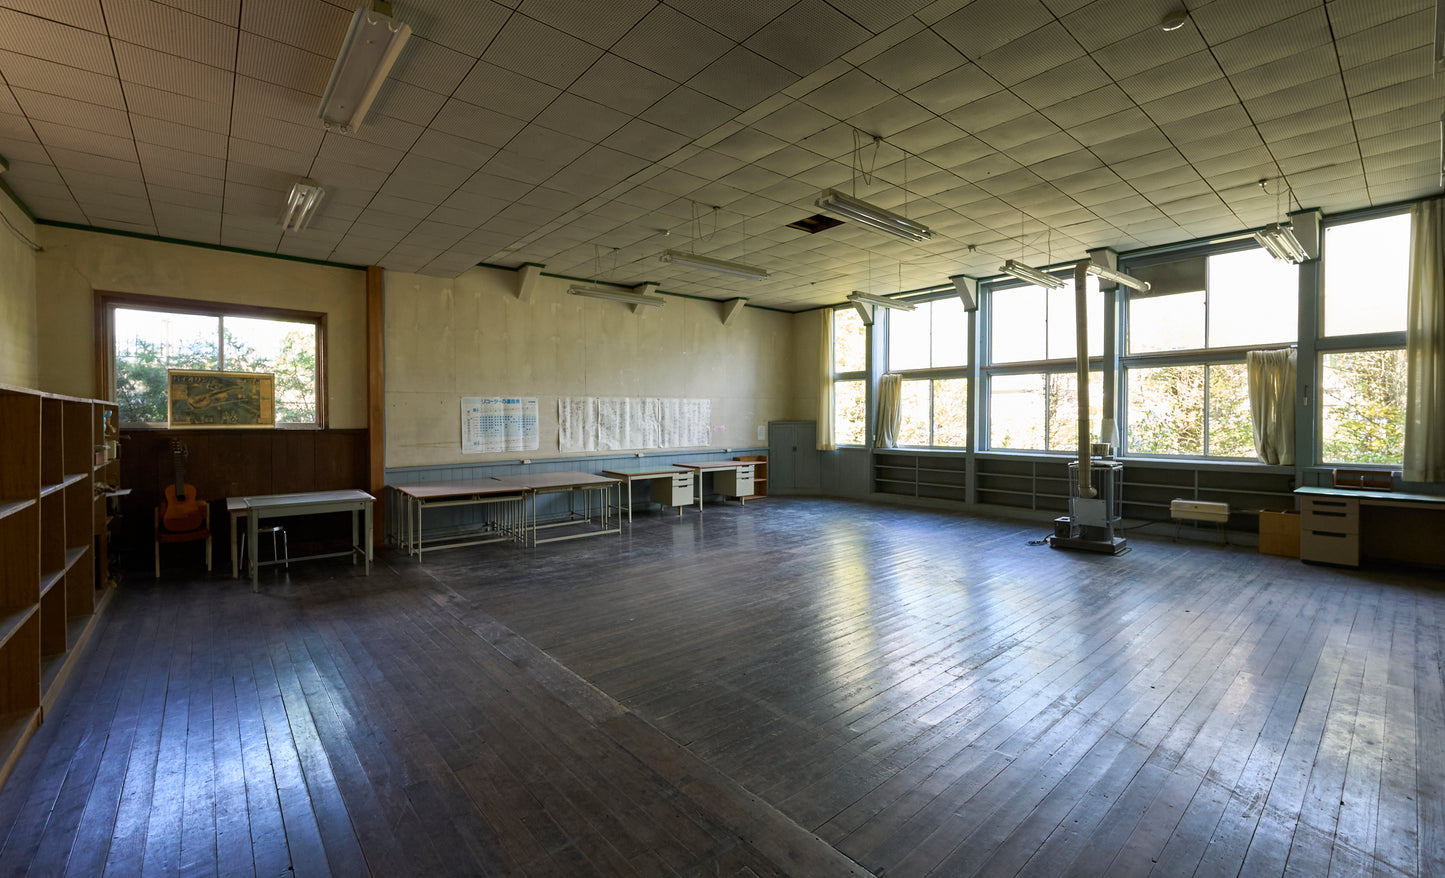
x,y
198,398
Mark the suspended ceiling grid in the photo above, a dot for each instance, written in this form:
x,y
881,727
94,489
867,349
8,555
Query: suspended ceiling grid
x,y
590,137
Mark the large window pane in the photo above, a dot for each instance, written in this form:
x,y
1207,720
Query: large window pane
x,y
1367,267
1253,299
1166,323
1362,401
949,333
1231,430
147,343
850,415
850,341
1063,408
1166,410
1062,333
1018,325
1016,411
909,339
950,412
284,348
913,429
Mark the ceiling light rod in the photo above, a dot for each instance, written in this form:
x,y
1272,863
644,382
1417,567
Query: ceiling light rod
x,y
372,43
1117,277
1032,275
881,301
626,296
301,204
1279,239
707,263
849,208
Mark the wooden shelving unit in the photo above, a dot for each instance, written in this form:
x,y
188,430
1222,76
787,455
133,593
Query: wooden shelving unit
x,y
760,474
52,537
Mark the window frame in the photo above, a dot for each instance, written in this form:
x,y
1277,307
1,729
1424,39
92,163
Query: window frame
x,y
861,376
1339,344
935,373
1202,356
106,303
1047,367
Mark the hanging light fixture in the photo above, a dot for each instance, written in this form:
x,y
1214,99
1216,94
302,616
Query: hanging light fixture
x,y
881,301
373,41
859,211
1116,276
301,204
1029,274
626,296
707,263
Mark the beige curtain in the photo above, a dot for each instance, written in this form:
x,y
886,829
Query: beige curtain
x,y
890,409
1425,346
825,380
1271,403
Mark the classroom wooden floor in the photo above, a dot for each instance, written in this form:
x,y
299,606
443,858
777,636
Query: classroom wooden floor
x,y
799,687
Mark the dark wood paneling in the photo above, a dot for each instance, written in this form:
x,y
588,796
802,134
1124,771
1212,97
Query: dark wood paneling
x,y
233,463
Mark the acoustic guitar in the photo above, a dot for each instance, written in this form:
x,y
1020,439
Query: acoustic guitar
x,y
181,511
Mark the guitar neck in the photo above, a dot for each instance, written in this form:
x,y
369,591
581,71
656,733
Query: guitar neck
x,y
178,459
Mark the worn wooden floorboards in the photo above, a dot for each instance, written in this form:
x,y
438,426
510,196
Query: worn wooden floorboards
x,y
798,687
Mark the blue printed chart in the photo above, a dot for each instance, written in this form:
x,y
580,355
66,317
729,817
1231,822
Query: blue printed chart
x,y
499,423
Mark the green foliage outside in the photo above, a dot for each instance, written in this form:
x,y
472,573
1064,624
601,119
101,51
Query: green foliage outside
x,y
1167,411
1363,401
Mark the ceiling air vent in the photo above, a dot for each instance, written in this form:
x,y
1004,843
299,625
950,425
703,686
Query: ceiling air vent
x,y
815,223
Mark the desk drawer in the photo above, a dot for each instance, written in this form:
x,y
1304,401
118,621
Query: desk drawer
x,y
730,483
1335,515
673,491
1330,547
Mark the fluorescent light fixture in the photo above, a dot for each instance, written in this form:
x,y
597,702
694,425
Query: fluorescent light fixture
x,y
1031,275
1279,239
707,263
1117,277
880,301
1439,36
372,43
626,296
301,204
849,208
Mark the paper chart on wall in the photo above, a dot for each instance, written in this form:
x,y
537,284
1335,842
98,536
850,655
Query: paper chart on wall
x,y
499,423
616,423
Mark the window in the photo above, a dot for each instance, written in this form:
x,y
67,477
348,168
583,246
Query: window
x,y
148,339
1040,411
850,370
1032,323
929,347
1187,390
1032,386
1362,358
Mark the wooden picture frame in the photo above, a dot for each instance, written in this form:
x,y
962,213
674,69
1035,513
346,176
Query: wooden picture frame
x,y
200,399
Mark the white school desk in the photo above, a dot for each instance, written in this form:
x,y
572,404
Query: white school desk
x,y
358,503
678,485
1339,525
731,478
412,500
572,484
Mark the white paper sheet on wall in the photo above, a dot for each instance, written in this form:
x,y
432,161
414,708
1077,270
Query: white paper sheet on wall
x,y
615,423
499,423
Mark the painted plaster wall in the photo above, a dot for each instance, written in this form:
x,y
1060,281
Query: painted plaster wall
x,y
806,339
19,364
472,337
76,263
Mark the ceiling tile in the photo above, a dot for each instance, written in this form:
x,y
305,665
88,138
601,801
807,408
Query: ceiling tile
x,y
741,78
984,25
806,37
37,74
1031,54
174,31
284,65
735,20
915,61
540,52
617,83
669,43
52,41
